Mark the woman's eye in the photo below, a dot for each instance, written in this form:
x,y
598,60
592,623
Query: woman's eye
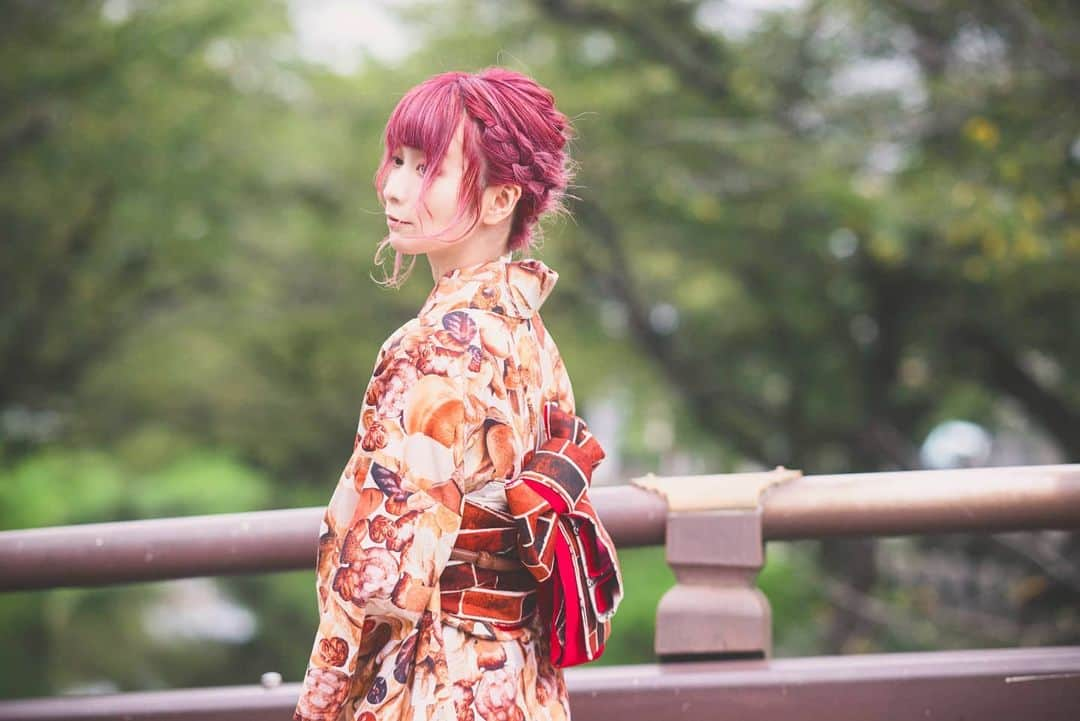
x,y
396,160
422,168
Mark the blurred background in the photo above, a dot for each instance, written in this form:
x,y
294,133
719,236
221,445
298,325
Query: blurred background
x,y
839,236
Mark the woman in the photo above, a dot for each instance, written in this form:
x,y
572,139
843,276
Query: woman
x,y
426,610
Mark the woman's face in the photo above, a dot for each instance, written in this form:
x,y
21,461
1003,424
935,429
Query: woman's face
x,y
405,217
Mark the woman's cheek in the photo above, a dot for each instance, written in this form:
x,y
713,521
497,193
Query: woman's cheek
x,y
442,209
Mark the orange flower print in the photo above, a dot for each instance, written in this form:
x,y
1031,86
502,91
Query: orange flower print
x,y
335,651
375,436
373,576
463,701
323,693
351,548
389,390
496,696
377,529
400,534
397,534
419,350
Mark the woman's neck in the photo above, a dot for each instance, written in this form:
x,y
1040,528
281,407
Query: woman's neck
x,y
474,250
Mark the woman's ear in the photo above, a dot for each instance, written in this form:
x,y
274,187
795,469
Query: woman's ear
x,y
499,202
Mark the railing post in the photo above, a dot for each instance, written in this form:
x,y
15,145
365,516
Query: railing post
x,y
714,544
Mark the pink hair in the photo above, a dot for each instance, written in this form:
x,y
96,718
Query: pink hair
x,y
512,134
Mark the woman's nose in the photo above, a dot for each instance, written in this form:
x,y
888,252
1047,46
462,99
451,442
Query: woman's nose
x,y
394,190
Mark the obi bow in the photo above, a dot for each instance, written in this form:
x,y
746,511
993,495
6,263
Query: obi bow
x,y
562,541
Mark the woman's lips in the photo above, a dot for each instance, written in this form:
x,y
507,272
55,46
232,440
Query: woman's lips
x,y
394,223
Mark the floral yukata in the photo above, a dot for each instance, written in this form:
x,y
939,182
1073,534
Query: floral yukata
x,y
452,407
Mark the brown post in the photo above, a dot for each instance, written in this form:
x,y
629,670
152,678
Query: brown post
x,y
715,546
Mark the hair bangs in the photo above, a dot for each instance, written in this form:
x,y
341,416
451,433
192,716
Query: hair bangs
x,y
425,119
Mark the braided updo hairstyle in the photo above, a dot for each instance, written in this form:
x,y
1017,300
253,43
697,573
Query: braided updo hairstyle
x,y
513,133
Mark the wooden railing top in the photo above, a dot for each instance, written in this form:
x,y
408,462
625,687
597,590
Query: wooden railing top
x,y
861,504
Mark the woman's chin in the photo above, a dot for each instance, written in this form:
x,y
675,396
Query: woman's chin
x,y
406,245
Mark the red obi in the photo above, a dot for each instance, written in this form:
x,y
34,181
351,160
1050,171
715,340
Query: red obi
x,y
562,542
469,590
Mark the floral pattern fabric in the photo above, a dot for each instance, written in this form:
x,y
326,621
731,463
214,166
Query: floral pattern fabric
x,y
452,408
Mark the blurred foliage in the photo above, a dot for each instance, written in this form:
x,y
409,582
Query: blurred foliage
x,y
806,242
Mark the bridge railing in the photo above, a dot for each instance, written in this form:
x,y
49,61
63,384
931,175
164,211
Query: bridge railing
x,y
713,632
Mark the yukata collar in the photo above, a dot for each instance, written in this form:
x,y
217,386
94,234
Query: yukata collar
x,y
514,288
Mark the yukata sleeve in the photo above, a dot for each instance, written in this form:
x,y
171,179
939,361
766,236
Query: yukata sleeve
x,y
561,390
391,523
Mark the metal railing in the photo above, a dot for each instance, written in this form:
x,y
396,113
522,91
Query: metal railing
x,y
714,610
